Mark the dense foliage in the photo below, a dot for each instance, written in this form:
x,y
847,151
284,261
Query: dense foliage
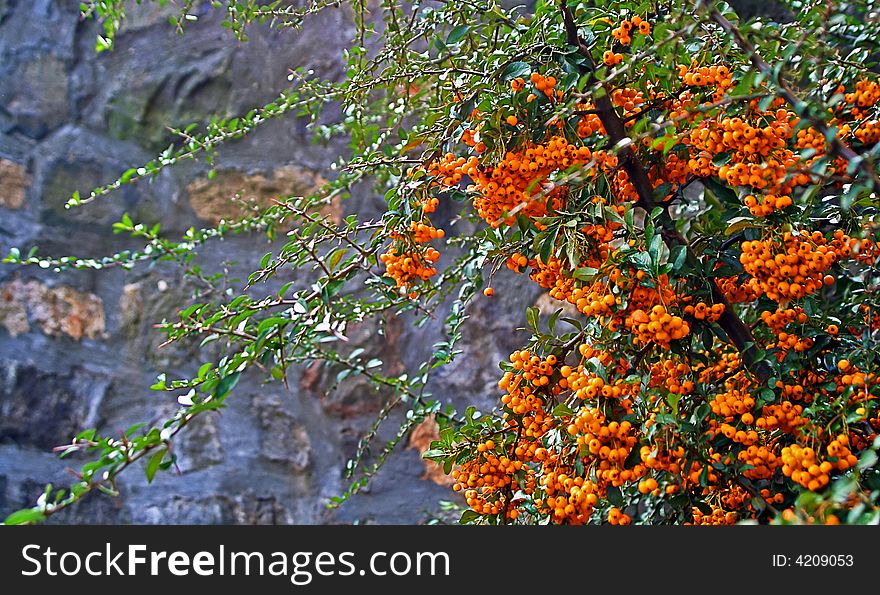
x,y
698,193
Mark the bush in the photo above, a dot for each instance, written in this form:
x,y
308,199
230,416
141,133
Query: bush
x,y
698,195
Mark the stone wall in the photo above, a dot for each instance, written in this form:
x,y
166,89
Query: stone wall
x,y
78,349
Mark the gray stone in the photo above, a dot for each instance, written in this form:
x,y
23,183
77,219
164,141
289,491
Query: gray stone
x,y
75,159
45,410
201,446
35,95
220,509
187,510
262,510
283,439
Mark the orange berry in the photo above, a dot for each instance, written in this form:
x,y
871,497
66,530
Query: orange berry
x,y
488,292
512,120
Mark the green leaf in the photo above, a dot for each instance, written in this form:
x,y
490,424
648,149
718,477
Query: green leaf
x,y
160,383
515,70
434,453
867,460
722,159
468,517
153,464
562,410
226,384
335,257
615,496
532,315
584,273
737,224
127,175
679,253
654,248
25,517
457,34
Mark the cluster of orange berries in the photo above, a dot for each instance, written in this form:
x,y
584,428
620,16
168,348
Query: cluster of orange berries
x,y
762,459
786,417
657,326
810,138
703,311
519,183
780,319
543,84
803,466
533,369
759,156
618,517
867,94
622,33
747,438
768,204
407,268
649,485
851,376
718,516
517,262
704,76
423,233
610,58
718,76
430,205
593,303
666,459
573,472
608,444
722,367
587,386
521,398
733,402
483,478
735,291
794,267
669,373
569,498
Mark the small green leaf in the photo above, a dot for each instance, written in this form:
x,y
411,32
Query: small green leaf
x,y
584,273
336,257
457,34
25,517
468,517
562,410
226,384
515,70
532,318
867,460
434,453
153,464
614,496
